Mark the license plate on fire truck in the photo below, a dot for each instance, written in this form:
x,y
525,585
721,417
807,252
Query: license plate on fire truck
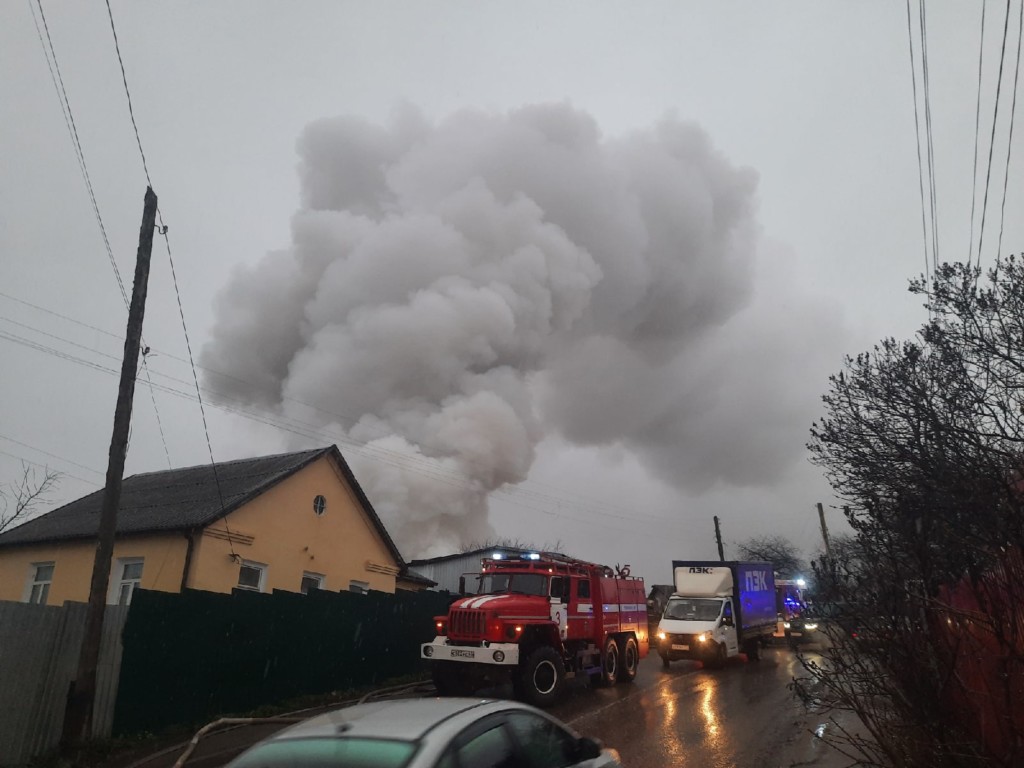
x,y
680,647
462,654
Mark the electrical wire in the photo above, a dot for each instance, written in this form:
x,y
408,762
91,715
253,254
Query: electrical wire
x,y
69,120
917,136
124,79
977,131
992,143
163,231
926,83
521,497
1009,147
556,494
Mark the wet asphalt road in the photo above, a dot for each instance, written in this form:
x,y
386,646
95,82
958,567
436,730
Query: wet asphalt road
x,y
740,715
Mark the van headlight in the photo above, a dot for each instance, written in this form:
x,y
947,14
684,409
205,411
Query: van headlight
x,y
785,625
810,627
702,637
661,635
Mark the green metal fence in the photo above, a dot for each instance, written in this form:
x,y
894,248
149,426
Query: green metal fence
x,y
193,656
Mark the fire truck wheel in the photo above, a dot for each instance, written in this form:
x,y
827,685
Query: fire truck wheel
x,y
629,662
665,661
541,679
448,681
610,662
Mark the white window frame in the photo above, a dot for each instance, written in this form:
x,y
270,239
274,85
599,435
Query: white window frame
x,y
318,577
32,582
118,581
261,567
359,587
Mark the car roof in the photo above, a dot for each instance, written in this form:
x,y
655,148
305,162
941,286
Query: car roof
x,y
396,719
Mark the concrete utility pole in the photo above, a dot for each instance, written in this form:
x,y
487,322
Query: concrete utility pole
x,y
78,716
718,538
824,532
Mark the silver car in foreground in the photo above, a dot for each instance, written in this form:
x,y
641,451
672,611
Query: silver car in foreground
x,y
430,733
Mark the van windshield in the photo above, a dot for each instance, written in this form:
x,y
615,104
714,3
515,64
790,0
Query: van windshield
x,y
523,583
693,608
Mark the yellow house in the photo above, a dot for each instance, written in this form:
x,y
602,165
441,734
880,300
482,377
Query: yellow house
x,y
295,522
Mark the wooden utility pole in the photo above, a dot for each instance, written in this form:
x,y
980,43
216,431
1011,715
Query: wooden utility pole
x,y
824,532
718,538
78,716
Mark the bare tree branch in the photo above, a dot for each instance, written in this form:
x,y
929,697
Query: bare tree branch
x,y
20,501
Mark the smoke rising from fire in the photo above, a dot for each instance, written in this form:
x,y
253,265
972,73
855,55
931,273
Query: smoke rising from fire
x,y
457,290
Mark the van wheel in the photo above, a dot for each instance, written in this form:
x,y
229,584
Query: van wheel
x,y
717,657
610,662
753,650
630,661
541,679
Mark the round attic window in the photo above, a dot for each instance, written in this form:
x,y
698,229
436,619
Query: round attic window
x,y
319,505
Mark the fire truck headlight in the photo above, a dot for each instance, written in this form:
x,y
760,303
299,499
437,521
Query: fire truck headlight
x,y
440,627
810,627
428,651
499,656
785,625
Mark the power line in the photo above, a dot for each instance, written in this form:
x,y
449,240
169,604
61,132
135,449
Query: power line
x,y
423,466
977,130
69,118
52,456
163,231
917,136
1009,146
19,457
124,79
69,121
995,118
926,83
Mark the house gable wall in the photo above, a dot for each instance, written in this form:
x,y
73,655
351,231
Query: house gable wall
x,y
280,529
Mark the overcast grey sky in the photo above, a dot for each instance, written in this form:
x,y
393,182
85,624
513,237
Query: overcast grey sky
x,y
806,128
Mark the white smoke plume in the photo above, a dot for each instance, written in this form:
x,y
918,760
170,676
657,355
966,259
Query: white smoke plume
x,y
457,290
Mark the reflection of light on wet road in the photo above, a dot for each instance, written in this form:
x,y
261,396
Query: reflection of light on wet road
x,y
707,710
674,746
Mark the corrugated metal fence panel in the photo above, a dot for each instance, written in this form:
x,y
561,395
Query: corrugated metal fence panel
x,y
27,636
39,647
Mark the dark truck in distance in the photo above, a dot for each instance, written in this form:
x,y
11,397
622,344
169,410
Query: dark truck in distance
x,y
718,609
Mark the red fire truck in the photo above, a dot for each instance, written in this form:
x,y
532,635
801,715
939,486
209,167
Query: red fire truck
x,y
538,619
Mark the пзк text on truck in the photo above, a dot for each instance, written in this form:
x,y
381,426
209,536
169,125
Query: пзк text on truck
x,y
537,620
718,610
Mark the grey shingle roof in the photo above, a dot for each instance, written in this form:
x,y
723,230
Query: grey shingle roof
x,y
182,499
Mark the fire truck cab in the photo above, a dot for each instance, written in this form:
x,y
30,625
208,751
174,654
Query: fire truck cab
x,y
537,620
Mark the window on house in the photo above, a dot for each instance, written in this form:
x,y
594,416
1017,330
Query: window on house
x,y
252,576
319,505
360,587
311,581
39,585
127,575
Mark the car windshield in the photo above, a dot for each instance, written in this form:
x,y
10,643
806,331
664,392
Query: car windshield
x,y
331,751
524,583
693,609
